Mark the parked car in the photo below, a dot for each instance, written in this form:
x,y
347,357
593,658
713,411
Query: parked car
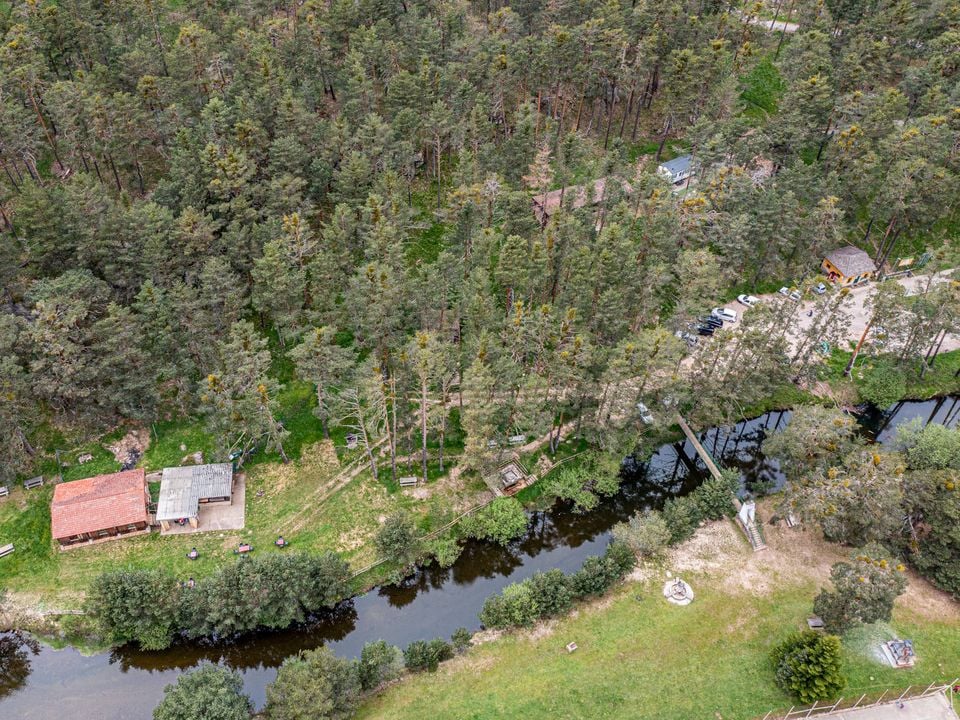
x,y
724,314
795,295
785,291
644,413
705,330
712,321
820,289
686,337
748,300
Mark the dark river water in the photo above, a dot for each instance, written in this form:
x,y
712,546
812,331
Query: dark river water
x,y
41,682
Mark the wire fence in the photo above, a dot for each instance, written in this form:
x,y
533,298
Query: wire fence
x,y
865,701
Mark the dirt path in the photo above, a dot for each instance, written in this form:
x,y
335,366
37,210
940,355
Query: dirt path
x,y
794,556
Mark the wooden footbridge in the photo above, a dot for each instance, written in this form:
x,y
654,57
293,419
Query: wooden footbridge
x,y
750,527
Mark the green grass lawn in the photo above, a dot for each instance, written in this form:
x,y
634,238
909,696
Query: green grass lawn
x,y
303,500
939,380
640,657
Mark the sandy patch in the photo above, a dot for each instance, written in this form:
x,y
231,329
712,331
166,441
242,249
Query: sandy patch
x,y
927,601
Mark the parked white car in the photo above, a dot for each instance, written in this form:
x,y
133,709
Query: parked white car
x,y
644,413
725,314
820,289
748,300
795,295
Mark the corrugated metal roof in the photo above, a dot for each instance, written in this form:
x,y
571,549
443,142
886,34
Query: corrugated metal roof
x,y
182,489
99,503
677,165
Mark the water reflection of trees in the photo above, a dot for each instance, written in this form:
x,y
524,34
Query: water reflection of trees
x,y
16,650
259,650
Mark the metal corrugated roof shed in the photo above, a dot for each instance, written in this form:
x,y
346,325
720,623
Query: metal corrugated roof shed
x,y
182,489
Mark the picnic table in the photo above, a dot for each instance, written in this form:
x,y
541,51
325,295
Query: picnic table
x,y
193,554
280,542
243,549
6,549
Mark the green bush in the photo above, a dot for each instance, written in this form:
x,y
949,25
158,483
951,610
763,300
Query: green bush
x,y
551,592
864,590
646,533
515,606
207,693
715,496
461,640
599,574
314,685
397,539
445,549
501,521
135,606
808,666
379,663
421,655
271,591
683,517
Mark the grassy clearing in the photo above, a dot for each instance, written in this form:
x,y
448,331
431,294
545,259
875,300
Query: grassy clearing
x,y
940,380
640,657
308,501
762,89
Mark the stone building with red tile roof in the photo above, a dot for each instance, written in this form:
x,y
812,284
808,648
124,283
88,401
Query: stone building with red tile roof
x,y
100,508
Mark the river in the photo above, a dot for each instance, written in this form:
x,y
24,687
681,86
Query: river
x,y
126,684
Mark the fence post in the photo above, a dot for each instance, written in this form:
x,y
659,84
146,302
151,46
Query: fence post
x,y
904,693
812,708
880,699
857,704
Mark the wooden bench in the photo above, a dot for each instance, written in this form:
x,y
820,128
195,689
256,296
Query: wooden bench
x,y
408,481
517,439
33,482
6,549
4,491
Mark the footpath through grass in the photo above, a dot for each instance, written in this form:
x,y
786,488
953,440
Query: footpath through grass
x,y
640,657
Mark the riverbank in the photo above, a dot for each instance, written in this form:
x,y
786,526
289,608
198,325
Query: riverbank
x,y
640,657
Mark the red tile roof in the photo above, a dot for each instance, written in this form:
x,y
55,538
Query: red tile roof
x,y
99,503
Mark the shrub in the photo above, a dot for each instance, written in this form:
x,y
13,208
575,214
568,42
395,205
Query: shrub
x,y
461,640
207,693
515,606
599,574
446,550
864,590
883,385
582,482
135,606
270,591
646,533
379,663
551,592
808,666
683,517
715,496
501,521
933,498
421,655
397,539
314,685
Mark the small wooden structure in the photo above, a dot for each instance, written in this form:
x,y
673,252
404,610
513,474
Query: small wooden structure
x,y
184,489
100,508
409,481
243,549
6,550
848,265
33,482
815,623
